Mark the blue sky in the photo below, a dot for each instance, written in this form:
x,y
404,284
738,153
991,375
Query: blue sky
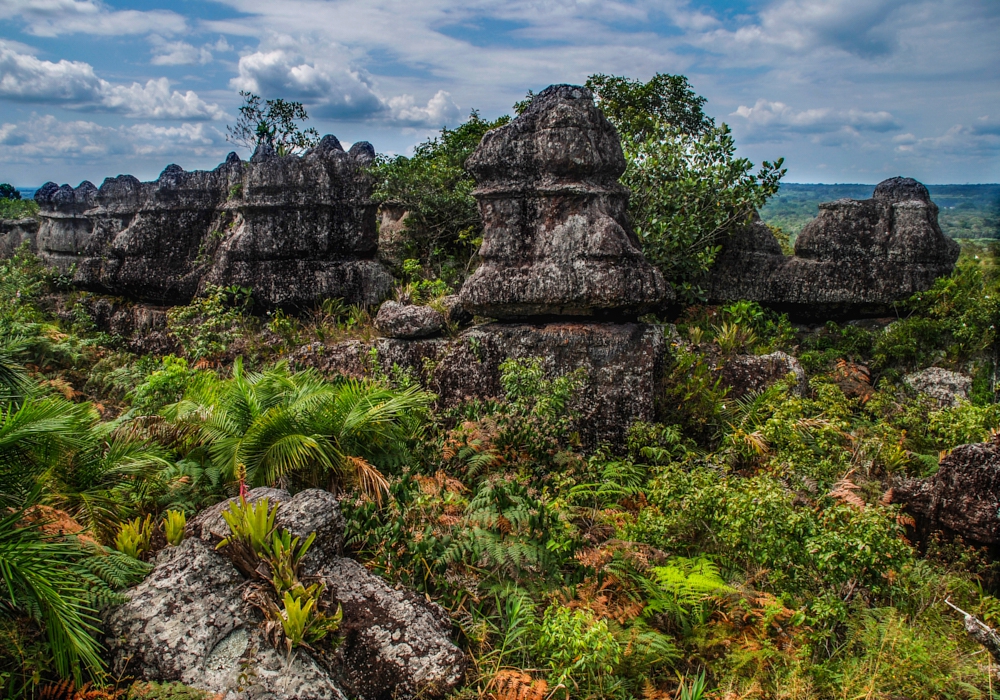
x,y
844,90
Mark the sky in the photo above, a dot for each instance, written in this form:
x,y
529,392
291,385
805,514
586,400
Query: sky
x,y
845,90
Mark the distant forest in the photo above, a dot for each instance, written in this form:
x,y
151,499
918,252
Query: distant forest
x,y
967,211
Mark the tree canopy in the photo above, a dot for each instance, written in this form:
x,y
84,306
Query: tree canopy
x,y
276,123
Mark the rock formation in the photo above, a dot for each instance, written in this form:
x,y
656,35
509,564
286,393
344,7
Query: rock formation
x,y
16,232
962,498
294,229
190,621
856,258
624,364
750,374
556,239
396,320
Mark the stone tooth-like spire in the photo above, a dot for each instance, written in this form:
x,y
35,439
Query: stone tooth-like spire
x,y
556,239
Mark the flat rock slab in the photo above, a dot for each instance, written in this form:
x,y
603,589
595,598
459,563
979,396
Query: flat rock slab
x,y
624,364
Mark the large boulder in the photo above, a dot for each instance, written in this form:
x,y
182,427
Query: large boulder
x,y
962,498
294,229
624,364
856,258
395,320
395,643
942,385
751,374
556,238
188,622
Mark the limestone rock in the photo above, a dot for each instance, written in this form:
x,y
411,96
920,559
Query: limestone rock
x,y
855,259
395,642
747,374
187,622
142,328
624,364
963,497
16,232
556,238
294,229
396,320
946,387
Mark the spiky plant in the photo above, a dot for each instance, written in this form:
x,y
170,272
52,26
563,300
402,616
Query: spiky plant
x,y
278,423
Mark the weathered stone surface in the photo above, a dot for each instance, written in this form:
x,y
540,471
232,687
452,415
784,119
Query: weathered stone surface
x,y
454,311
962,498
395,642
187,622
395,320
624,363
295,229
556,238
945,386
142,328
392,234
15,232
855,259
747,374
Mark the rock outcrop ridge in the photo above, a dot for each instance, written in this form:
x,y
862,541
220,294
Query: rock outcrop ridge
x,y
556,240
855,259
190,620
294,229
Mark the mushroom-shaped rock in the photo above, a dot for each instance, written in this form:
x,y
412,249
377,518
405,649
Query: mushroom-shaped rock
x,y
855,259
395,320
556,239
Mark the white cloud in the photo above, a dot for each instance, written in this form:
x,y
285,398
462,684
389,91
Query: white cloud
x,y
74,84
778,116
47,139
178,53
59,17
329,86
441,110
979,139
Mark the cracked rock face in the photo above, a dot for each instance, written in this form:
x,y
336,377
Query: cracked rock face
x,y
855,259
556,239
294,229
962,498
750,374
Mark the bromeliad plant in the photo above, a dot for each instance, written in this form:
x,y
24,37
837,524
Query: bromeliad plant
x,y
173,527
263,551
134,537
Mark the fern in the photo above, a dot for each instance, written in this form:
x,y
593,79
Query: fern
x,y
681,590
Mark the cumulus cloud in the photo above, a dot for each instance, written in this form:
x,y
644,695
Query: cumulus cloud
x,y
439,111
52,18
333,90
976,139
181,53
74,84
778,116
45,138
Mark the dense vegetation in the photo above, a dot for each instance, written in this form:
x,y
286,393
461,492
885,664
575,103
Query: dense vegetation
x,y
732,549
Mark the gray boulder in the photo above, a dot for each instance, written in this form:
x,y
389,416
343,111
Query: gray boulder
x,y
944,386
750,374
962,498
395,642
855,259
454,311
294,229
188,622
556,238
395,320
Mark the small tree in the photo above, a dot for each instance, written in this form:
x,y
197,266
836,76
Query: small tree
x,y
273,123
8,191
689,190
